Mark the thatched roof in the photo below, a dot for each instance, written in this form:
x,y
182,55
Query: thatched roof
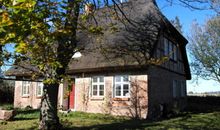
x,y
22,69
139,12
127,31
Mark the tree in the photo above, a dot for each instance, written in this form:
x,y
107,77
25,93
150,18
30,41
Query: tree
x,y
44,33
198,4
176,23
205,49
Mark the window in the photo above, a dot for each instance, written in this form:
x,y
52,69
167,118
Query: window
x,y
39,89
170,49
122,86
98,86
183,89
175,88
166,47
25,88
179,89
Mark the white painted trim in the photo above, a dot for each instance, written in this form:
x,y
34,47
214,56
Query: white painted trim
x,y
98,84
122,82
22,85
61,86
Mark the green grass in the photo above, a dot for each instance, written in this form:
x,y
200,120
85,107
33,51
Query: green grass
x,y
28,120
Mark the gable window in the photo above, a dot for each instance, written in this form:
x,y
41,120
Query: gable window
x,y
122,86
25,88
98,86
170,49
39,89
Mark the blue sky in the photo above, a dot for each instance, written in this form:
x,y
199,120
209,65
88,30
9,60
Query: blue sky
x,y
187,17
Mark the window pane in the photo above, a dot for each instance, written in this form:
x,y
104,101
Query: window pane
x,y
174,88
125,93
125,86
166,47
125,78
118,78
94,92
125,90
118,90
175,52
24,90
94,79
101,87
25,87
101,93
101,79
39,88
170,49
94,87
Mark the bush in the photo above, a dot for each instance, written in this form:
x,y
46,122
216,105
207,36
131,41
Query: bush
x,y
199,104
6,91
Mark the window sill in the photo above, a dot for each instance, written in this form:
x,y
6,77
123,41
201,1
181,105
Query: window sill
x,y
25,96
121,99
96,98
39,97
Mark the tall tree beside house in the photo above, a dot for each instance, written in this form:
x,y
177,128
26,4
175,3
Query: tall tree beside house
x,y
205,49
176,23
45,36
1,62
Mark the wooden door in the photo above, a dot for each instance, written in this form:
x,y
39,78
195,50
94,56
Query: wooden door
x,y
72,97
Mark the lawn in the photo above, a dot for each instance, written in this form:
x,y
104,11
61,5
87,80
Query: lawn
x,y
203,113
28,120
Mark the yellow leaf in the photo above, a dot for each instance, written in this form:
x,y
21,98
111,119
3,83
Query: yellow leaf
x,y
22,48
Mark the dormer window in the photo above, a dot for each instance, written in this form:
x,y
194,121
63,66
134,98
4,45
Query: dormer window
x,y
77,55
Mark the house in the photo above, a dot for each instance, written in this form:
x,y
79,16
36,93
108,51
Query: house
x,y
139,69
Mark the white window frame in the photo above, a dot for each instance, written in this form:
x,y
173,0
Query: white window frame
x,y
39,87
98,84
122,83
26,88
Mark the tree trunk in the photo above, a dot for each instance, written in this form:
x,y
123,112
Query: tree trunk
x,y
48,113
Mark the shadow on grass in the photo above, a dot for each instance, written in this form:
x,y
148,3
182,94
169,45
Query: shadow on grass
x,y
129,124
25,111
22,118
24,114
195,122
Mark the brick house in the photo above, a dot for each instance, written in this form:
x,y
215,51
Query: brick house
x,y
121,83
